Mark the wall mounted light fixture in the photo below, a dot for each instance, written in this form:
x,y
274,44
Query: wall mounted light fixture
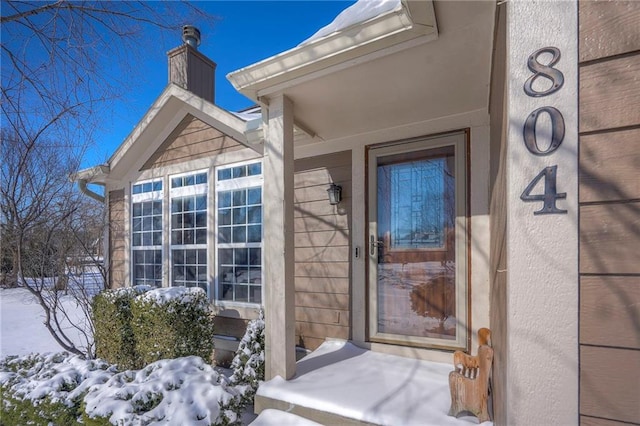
x,y
335,194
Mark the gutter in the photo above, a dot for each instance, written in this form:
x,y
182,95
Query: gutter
x,y
97,175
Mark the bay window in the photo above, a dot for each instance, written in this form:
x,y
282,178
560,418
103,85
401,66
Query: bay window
x,y
146,233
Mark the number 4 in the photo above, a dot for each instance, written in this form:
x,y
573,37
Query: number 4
x,y
550,195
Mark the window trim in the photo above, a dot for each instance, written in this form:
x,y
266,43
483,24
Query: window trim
x,y
142,197
244,182
182,192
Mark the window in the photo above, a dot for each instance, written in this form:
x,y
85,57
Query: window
x,y
189,230
146,233
239,233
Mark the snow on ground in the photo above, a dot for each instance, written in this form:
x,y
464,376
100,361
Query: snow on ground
x,y
186,390
21,324
341,378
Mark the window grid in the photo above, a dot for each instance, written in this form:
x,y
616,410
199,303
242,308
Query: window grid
x,y
239,233
146,233
189,230
190,268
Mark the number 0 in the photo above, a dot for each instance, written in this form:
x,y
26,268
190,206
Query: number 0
x,y
557,130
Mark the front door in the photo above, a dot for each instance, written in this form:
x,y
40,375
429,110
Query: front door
x,y
417,242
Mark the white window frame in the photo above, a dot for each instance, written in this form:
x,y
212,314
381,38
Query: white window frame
x,y
229,185
188,191
141,198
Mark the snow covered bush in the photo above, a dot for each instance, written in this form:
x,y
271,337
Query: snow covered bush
x,y
47,389
171,323
113,333
61,389
247,366
185,391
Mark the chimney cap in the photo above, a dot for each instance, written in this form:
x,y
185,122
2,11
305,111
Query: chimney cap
x,y
191,36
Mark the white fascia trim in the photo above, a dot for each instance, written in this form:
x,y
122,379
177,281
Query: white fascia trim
x,y
204,110
95,174
414,19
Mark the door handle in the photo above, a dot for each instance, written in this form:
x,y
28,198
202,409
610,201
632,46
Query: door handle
x,y
374,244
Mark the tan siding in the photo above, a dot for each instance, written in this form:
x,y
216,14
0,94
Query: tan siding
x,y
610,166
322,285
592,421
322,254
610,94
609,383
609,212
322,268
192,139
323,316
322,239
116,239
322,300
610,311
608,28
610,239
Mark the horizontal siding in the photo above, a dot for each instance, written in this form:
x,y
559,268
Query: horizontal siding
x,y
323,300
593,421
610,311
192,139
116,239
610,94
334,238
608,28
322,269
323,316
610,239
323,285
609,160
609,166
322,254
609,383
322,260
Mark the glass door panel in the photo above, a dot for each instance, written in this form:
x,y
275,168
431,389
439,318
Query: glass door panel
x,y
414,271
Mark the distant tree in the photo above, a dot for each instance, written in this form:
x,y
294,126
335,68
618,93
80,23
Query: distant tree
x,y
63,64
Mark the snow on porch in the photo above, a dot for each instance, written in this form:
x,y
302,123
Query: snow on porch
x,y
351,382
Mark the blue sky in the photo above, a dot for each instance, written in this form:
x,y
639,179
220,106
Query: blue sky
x,y
244,32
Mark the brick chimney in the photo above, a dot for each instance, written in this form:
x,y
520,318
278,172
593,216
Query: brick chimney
x,y
189,68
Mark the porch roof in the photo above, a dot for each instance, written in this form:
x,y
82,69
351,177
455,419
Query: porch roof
x,y
421,61
354,383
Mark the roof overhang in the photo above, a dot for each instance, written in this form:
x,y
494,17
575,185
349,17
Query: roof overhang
x,y
393,70
173,104
348,47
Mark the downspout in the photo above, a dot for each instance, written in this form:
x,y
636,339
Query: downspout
x,y
82,185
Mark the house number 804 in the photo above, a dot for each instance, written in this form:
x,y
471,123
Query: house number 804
x,y
556,78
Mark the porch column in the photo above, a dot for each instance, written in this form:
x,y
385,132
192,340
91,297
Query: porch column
x,y
540,352
278,240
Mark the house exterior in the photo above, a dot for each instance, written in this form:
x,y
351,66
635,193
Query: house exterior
x,y
487,154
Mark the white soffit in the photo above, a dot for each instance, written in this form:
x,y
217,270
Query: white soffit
x,y
347,47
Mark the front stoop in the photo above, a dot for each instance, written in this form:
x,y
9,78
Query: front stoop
x,y
264,403
342,384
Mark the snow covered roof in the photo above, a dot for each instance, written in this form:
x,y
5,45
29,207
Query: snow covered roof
x,y
359,12
360,33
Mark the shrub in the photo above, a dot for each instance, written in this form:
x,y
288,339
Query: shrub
x,y
114,338
17,411
171,323
248,370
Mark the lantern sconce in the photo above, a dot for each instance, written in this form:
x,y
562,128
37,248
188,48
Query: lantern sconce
x,y
335,194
